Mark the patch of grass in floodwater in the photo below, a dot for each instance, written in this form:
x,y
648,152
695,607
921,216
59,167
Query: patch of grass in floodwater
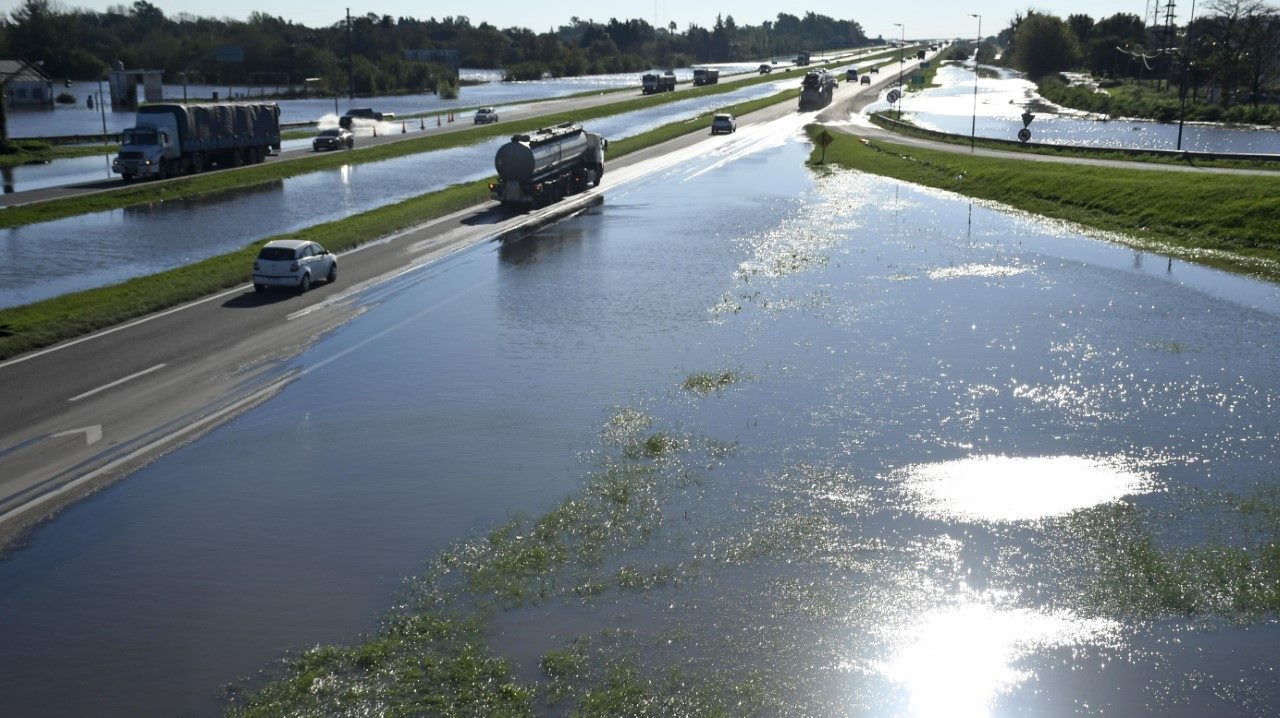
x,y
1221,220
47,322
1173,347
705,383
25,152
592,680
431,656
1227,567
423,664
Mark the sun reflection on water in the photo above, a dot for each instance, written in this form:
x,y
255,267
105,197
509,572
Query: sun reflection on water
x,y
959,658
1007,488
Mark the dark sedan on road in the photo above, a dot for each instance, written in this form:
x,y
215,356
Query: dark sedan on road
x,y
333,140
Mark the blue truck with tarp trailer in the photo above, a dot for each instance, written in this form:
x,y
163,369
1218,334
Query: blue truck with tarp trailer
x,y
172,139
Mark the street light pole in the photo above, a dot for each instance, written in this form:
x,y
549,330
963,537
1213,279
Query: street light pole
x,y
973,130
901,50
1186,65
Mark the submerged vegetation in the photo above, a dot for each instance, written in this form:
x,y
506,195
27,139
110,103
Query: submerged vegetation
x,y
1221,220
705,383
431,655
1210,554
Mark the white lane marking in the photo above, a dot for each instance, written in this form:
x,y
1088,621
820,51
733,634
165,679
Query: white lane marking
x,y
191,428
92,434
116,383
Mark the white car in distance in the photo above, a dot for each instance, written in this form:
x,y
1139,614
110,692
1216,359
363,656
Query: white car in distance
x,y
294,263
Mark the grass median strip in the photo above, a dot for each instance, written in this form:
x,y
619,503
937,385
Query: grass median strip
x,y
48,322
1224,221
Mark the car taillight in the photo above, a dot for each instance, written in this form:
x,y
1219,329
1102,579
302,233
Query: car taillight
x,y
293,267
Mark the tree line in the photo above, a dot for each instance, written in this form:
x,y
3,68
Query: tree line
x,y
81,44
1232,48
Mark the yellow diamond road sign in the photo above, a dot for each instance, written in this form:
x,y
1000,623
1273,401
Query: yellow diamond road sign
x,y
825,139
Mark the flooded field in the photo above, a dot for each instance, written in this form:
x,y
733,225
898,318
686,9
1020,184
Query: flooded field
x,y
1003,99
140,240
79,119
740,438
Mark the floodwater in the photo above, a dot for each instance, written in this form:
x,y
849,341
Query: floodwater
x,y
79,119
947,430
52,258
1003,99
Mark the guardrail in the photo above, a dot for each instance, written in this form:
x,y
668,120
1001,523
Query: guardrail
x,y
892,124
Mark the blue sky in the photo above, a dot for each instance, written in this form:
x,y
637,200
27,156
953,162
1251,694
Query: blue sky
x,y
923,18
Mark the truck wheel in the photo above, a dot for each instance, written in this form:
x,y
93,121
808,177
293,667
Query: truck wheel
x,y
126,177
259,287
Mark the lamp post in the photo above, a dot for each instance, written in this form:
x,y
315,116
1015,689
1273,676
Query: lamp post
x,y
901,50
1186,65
973,129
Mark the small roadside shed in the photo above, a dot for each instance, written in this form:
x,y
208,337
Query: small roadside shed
x,y
25,84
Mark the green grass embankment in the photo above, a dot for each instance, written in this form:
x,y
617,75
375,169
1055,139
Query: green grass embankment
x,y
47,322
214,182
1221,220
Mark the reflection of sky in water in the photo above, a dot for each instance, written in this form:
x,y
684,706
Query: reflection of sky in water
x,y
1006,488
957,659
1002,100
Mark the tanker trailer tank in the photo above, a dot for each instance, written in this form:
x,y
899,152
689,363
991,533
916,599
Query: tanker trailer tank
x,y
541,167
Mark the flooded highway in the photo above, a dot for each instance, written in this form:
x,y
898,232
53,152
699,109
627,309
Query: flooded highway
x,y
825,444
1003,98
51,258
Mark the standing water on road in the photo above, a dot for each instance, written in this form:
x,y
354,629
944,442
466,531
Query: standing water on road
x,y
1003,98
767,443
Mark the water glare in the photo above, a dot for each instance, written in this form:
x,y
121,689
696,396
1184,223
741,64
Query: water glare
x,y
1006,488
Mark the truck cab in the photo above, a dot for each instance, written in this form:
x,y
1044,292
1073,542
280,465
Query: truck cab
x,y
148,150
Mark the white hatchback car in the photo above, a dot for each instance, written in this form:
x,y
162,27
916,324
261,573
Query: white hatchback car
x,y
293,263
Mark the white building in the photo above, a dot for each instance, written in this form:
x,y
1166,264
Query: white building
x,y
25,85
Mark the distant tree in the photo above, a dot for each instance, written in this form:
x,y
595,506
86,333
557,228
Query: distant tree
x,y
1043,44
1082,26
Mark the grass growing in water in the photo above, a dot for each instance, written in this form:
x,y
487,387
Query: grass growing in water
x,y
21,152
1129,561
431,656
705,383
1225,221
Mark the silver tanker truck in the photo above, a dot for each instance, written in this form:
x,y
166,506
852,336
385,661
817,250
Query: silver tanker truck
x,y
541,167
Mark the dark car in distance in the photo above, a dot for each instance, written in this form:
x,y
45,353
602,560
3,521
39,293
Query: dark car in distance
x,y
334,139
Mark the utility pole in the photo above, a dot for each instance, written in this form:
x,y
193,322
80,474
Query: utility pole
x,y
351,60
973,129
1186,66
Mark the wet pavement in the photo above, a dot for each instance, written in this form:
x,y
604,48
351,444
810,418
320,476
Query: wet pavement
x,y
939,436
51,258
1002,100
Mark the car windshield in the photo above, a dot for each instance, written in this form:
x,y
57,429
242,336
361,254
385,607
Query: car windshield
x,y
329,133
276,254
